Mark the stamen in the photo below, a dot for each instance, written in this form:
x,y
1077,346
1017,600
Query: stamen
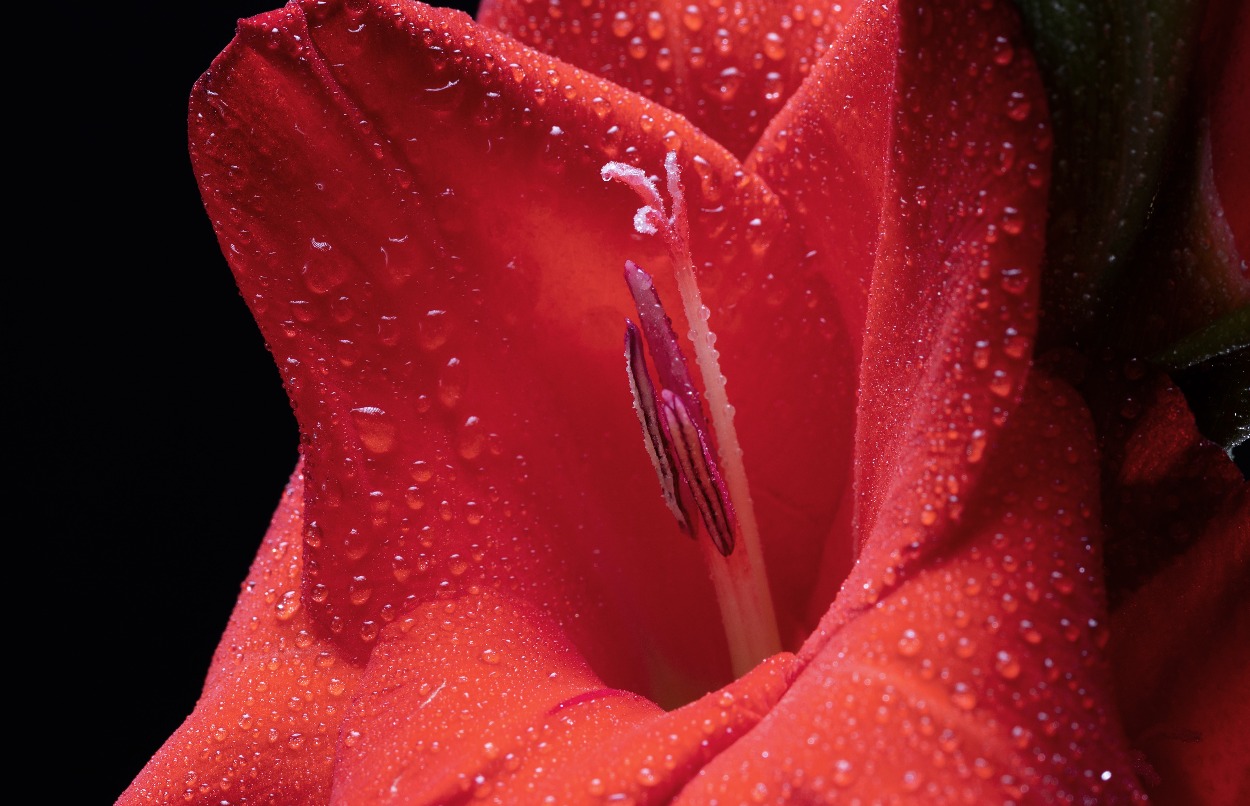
x,y
647,408
657,327
699,471
685,427
739,578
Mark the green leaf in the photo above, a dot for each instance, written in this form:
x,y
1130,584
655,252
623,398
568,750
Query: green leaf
x,y
1116,75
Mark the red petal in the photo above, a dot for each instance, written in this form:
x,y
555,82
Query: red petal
x,y
266,727
977,677
1178,567
512,715
932,170
1180,648
1164,484
728,67
412,206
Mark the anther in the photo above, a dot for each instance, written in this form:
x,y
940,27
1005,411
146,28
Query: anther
x,y
682,427
646,405
720,490
699,472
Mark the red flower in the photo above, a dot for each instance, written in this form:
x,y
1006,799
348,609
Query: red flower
x,y
472,588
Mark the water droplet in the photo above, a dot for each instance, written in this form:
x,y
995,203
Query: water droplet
x,y
1012,223
449,383
1015,345
909,644
724,85
843,772
359,591
692,18
622,25
288,605
322,271
1014,280
655,25
1006,665
963,697
432,330
774,46
976,445
490,656
1003,51
1018,107
981,354
1001,383
376,429
472,439
774,86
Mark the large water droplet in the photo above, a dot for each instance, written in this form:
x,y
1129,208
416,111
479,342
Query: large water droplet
x,y
622,25
909,643
1006,665
963,697
432,330
376,429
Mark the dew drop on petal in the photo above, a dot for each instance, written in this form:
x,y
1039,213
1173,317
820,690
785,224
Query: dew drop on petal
x,y
376,429
774,46
622,25
1006,665
288,605
963,697
692,18
909,644
432,330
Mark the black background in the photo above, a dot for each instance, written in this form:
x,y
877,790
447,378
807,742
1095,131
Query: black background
x,y
159,435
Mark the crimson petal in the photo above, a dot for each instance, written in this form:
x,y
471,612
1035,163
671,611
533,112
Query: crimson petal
x,y
267,724
979,677
386,182
1177,515
512,715
938,269
728,67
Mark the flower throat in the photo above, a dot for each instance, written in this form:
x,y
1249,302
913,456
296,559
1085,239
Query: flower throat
x,y
679,434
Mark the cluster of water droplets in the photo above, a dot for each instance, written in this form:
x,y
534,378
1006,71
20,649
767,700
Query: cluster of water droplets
x,y
727,66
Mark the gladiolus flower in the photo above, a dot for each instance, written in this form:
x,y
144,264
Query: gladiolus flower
x,y
935,542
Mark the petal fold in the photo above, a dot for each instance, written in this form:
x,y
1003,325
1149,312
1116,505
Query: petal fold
x,y
413,209
512,715
728,67
266,727
980,677
934,114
